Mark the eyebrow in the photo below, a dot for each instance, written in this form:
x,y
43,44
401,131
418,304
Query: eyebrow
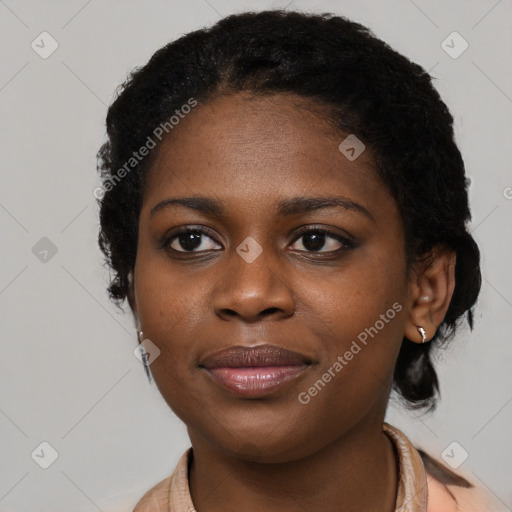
x,y
288,207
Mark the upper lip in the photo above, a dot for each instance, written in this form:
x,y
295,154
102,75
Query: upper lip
x,y
260,355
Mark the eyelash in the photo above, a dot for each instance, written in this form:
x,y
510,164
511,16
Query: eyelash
x,y
346,242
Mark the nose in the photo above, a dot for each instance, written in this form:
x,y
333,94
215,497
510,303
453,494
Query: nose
x,y
253,291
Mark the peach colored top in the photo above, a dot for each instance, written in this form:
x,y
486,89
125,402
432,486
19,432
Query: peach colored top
x,y
417,491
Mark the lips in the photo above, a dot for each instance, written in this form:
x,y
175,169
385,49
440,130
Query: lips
x,y
260,355
254,371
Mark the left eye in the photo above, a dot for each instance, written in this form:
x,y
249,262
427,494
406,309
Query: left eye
x,y
316,239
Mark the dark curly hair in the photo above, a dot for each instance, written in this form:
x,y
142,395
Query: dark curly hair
x,y
361,85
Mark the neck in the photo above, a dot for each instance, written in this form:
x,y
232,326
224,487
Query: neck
x,y
357,471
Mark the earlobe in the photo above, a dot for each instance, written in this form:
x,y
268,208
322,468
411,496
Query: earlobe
x,y
431,289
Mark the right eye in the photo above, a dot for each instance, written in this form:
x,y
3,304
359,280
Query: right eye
x,y
189,240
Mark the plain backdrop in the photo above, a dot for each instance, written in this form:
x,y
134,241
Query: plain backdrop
x,y
69,376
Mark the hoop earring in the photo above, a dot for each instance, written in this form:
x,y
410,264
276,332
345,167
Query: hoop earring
x,y
423,334
143,353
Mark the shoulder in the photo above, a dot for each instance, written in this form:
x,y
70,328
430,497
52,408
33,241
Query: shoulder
x,y
452,498
449,491
157,499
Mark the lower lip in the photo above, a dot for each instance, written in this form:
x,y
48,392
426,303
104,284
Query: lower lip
x,y
253,381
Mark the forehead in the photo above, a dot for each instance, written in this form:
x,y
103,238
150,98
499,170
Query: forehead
x,y
267,146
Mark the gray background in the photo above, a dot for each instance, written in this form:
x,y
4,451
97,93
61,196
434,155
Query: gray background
x,y
69,375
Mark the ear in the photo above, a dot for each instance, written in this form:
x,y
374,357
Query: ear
x,y
131,295
431,286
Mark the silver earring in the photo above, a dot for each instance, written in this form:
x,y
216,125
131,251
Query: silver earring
x,y
143,353
423,334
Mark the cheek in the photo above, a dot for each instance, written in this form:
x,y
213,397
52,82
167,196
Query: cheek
x,y
354,376
170,298
172,307
346,300
358,314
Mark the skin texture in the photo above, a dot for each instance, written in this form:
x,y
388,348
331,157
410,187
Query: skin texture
x,y
275,453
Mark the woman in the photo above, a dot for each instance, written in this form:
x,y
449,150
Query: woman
x,y
285,210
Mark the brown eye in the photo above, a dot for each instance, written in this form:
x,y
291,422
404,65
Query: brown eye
x,y
190,240
314,240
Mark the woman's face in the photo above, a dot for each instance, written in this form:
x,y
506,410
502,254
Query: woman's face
x,y
258,272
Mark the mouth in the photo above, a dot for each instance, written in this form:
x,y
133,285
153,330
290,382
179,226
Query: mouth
x,y
254,372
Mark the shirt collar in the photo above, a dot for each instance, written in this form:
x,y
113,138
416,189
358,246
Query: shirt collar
x,y
412,484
